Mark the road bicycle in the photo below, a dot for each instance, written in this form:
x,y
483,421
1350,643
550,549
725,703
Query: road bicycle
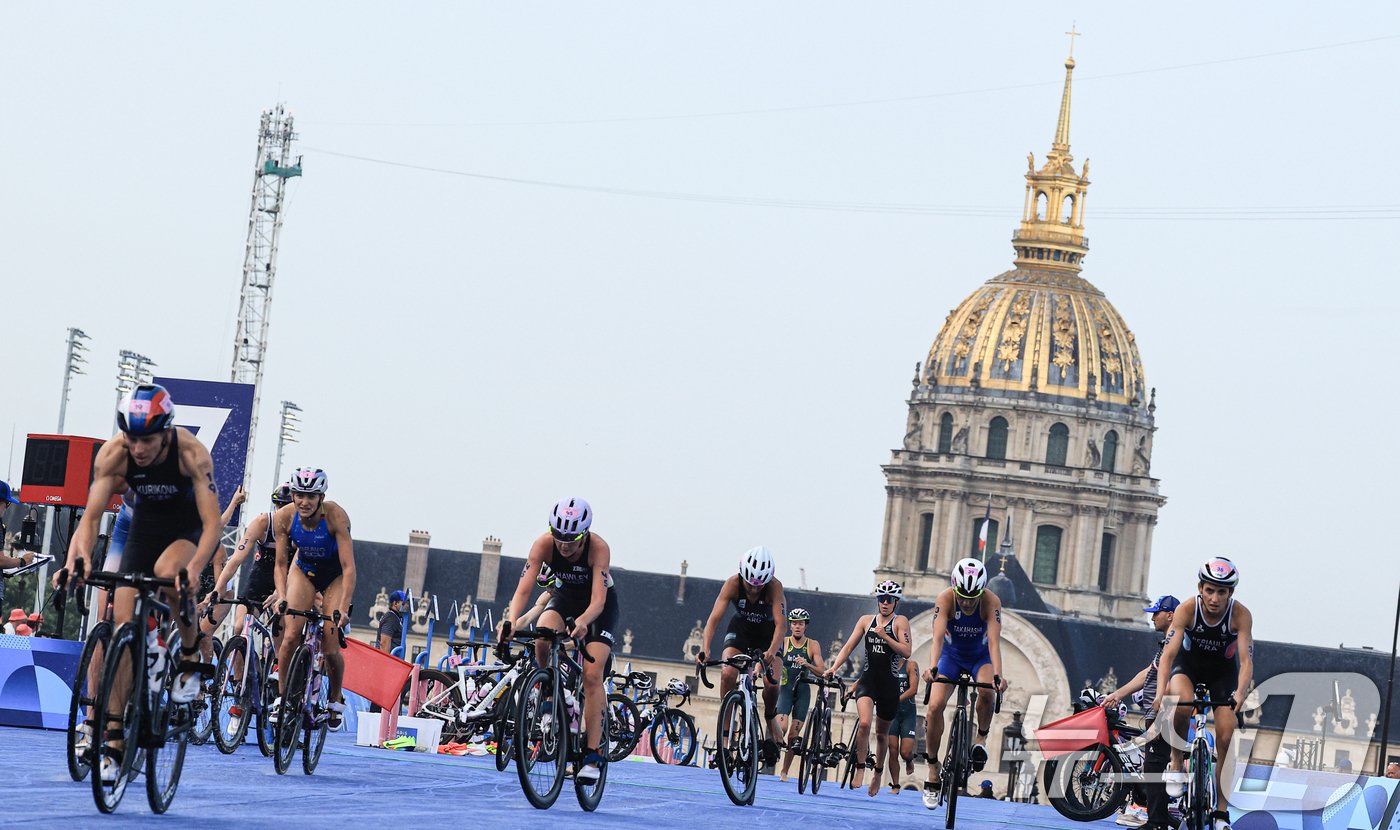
x,y
738,732
549,733
242,692
87,682
672,733
815,750
957,763
139,671
475,700
1201,809
304,716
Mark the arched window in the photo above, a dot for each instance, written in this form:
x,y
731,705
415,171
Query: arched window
x,y
1058,447
1110,451
1046,569
993,539
1068,208
945,432
996,438
925,540
1040,202
1106,562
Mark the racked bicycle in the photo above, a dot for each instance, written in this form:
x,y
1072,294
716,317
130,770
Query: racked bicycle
x,y
476,700
134,703
549,733
673,736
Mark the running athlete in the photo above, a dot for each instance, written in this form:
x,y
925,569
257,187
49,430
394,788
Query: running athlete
x,y
886,636
795,697
903,730
966,638
1211,641
579,561
324,564
175,522
757,626
260,541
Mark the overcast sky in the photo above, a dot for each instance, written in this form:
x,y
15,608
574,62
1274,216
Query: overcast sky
x,y
725,366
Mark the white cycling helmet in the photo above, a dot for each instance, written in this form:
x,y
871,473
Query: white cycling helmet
x,y
570,519
678,687
969,578
308,480
889,588
1220,571
756,566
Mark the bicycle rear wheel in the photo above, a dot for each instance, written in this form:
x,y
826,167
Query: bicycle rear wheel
x,y
624,724
440,694
590,794
290,718
737,750
81,720
504,727
540,754
170,725
849,760
317,725
674,739
231,695
1085,785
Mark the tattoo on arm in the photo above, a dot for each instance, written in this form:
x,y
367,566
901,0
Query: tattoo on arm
x,y
998,613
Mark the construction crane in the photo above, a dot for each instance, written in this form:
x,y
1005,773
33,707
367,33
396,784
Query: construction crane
x,y
274,168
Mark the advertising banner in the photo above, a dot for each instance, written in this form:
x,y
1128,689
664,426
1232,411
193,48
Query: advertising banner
x,y
219,414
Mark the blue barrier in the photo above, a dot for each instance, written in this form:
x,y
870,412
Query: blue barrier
x,y
36,680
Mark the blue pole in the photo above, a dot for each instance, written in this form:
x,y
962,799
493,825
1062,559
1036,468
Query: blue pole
x,y
403,629
428,647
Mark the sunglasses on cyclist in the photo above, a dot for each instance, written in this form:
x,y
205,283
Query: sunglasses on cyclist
x,y
566,537
886,598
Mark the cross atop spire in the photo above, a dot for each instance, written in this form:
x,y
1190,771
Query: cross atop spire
x,y
1072,35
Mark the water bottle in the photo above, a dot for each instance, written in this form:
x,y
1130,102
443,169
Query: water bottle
x,y
571,702
471,691
483,692
155,655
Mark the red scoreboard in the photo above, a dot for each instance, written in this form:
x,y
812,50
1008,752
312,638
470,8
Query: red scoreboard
x,y
58,470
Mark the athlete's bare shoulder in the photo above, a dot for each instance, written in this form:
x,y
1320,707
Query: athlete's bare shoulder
x,y
111,458
600,542
282,518
336,517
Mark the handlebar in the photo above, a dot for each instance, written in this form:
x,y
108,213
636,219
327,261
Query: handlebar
x,y
738,662
529,635
315,616
967,681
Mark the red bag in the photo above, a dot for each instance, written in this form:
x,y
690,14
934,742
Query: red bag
x,y
1078,731
375,675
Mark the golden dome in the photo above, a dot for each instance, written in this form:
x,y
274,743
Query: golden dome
x,y
1040,328
1030,330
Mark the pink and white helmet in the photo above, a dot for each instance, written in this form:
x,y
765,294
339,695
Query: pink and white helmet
x,y
756,566
570,519
1220,571
969,578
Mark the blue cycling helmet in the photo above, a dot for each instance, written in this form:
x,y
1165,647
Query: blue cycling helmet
x,y
146,410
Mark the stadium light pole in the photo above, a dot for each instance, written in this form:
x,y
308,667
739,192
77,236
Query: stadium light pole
x,y
286,434
1389,691
72,366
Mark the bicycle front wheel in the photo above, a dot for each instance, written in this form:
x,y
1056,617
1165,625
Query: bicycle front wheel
x,y
230,706
540,753
290,717
674,738
503,729
267,733
1200,789
83,727
955,769
811,752
625,726
1086,785
737,750
123,678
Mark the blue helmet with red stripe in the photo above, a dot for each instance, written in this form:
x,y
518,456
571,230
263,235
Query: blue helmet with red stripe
x,y
146,410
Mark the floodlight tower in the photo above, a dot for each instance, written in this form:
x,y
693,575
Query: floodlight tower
x,y
274,167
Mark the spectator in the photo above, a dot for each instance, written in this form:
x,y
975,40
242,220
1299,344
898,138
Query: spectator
x,y
987,790
7,498
36,621
391,624
1392,770
24,630
17,618
1344,765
